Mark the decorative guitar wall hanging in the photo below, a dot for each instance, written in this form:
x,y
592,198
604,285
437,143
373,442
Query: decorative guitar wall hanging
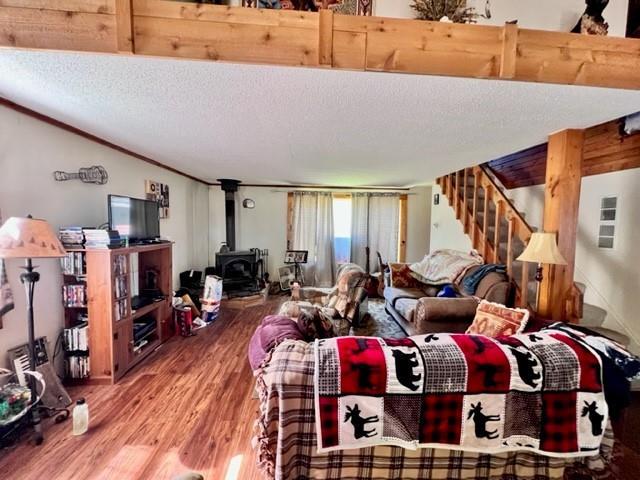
x,y
96,175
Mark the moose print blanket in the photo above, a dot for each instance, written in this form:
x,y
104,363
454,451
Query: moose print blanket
x,y
540,392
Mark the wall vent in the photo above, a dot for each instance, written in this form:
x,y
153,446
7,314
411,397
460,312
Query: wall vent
x,y
607,228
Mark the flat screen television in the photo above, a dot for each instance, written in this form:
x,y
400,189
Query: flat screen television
x,y
134,218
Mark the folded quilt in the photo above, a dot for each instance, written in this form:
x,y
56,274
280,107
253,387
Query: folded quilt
x,y
444,266
539,392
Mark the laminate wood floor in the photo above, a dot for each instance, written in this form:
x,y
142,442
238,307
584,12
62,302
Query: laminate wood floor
x,y
189,407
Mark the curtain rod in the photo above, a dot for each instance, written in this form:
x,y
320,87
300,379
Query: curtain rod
x,y
319,187
403,191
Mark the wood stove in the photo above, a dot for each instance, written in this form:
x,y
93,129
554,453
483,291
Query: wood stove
x,y
242,270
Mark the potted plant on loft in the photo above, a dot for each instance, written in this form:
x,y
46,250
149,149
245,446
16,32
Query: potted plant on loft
x,y
455,11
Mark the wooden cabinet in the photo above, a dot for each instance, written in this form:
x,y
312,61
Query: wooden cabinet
x,y
120,337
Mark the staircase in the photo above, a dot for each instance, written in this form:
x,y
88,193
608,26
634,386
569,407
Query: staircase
x,y
498,231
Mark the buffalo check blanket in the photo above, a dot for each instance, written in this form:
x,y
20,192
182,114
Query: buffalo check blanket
x,y
539,392
286,442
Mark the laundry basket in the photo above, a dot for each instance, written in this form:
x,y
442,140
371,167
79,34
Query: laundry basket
x,y
15,399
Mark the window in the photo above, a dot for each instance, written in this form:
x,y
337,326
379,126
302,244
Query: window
x,y
342,228
607,230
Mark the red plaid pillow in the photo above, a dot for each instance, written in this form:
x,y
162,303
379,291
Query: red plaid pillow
x,y
495,320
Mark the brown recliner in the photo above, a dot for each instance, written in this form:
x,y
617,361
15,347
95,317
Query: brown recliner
x,y
418,310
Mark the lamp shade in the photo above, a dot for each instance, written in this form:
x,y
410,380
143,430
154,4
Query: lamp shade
x,y
29,238
542,248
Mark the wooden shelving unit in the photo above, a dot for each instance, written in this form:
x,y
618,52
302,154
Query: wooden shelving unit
x,y
113,350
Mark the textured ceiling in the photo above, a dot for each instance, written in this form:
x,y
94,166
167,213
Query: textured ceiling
x,y
265,124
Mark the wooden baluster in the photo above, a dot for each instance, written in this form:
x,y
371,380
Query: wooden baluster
x,y
485,221
454,193
465,210
510,246
496,233
524,288
474,210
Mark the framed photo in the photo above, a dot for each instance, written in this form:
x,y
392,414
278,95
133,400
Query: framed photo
x,y
158,192
296,256
287,276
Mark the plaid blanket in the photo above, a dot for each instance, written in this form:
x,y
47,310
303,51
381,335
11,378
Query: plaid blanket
x,y
286,446
540,392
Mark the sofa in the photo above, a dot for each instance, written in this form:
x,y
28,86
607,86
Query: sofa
x,y
417,309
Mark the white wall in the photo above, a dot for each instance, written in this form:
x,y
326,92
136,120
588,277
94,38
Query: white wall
x,y
30,150
263,227
446,229
558,15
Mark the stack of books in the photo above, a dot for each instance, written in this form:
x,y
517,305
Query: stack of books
x,y
96,238
71,237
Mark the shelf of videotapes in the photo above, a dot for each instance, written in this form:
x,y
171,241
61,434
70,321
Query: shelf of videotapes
x,y
74,296
121,287
74,263
76,347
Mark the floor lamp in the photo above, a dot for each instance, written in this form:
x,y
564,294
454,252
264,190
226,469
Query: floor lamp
x,y
29,238
542,249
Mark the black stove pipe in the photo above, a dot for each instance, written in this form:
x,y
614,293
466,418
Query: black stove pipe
x,y
230,188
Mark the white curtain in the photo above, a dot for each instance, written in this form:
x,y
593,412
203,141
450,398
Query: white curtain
x,y
384,225
312,230
375,222
360,228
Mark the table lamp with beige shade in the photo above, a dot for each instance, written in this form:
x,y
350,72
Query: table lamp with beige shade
x,y
30,238
542,249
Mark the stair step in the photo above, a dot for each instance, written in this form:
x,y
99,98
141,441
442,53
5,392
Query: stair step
x,y
592,315
581,286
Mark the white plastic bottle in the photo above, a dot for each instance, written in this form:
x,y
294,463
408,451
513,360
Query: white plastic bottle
x,y
80,417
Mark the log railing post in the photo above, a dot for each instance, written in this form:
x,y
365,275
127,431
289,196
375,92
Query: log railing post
x,y
510,247
474,211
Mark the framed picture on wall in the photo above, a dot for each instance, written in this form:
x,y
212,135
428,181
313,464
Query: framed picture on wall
x,y
158,192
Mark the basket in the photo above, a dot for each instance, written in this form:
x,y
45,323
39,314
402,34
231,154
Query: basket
x,y
14,388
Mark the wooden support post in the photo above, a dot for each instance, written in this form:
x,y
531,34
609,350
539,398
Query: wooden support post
x,y
561,202
325,38
124,26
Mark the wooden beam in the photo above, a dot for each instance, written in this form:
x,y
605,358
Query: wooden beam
x,y
64,126
561,203
509,55
325,30
283,37
124,25
605,150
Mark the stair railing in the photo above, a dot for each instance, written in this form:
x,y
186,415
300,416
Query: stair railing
x,y
473,194
464,190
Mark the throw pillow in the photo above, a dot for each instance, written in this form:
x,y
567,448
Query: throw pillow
x,y
494,320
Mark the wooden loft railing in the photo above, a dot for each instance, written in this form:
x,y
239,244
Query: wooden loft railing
x,y
498,231
323,40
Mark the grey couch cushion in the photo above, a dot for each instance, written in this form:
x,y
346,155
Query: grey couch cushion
x,y
391,294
